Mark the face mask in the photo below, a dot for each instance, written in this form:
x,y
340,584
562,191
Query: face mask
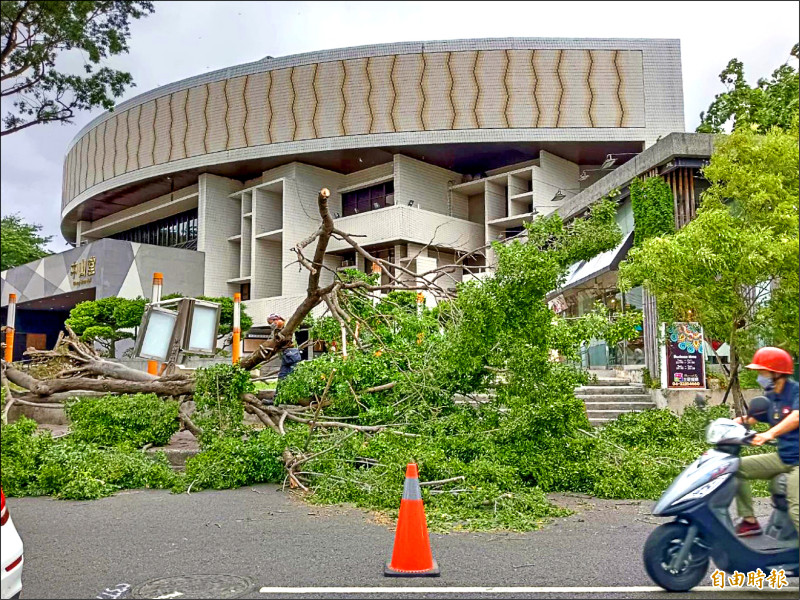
x,y
765,382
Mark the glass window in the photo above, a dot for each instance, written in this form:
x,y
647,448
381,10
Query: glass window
x,y
371,198
363,201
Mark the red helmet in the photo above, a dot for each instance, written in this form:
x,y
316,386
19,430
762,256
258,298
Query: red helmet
x,y
772,359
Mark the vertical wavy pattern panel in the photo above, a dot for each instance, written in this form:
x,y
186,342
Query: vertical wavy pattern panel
x,y
577,97
548,88
631,88
256,99
110,145
491,74
177,129
196,131
437,84
120,143
236,113
133,138
382,96
465,90
304,105
147,137
356,119
521,110
163,127
99,154
216,137
408,108
281,99
606,107
328,118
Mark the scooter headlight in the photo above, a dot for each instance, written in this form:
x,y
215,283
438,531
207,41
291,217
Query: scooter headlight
x,y
703,490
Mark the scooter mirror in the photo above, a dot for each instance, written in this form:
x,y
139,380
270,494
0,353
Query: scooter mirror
x,y
758,408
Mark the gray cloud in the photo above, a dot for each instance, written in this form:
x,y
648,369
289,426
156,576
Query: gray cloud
x,y
182,39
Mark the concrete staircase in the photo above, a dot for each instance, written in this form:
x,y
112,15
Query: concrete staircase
x,y
610,397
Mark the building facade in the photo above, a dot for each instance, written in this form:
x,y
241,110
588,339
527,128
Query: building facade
x,y
430,150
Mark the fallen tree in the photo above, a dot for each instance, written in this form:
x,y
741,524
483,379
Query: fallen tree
x,y
344,424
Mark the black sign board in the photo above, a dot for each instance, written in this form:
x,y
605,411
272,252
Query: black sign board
x,y
685,356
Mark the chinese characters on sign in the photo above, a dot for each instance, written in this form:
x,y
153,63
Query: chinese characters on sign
x,y
776,579
83,270
685,356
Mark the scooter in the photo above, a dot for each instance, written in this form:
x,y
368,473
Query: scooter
x,y
677,554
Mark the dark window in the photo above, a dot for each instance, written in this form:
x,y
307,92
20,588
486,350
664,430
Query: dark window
x,y
514,231
177,231
367,199
244,290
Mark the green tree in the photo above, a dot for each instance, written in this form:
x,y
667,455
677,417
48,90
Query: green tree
x,y
735,267
20,243
105,321
35,34
772,102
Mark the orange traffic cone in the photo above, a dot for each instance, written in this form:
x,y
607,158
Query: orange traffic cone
x,y
412,548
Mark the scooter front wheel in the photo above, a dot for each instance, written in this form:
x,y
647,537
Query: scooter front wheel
x,y
660,550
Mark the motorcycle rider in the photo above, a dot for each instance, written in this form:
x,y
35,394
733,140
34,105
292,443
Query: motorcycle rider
x,y
774,366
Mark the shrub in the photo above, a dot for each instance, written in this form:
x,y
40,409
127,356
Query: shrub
x,y
218,400
111,420
75,470
230,462
35,464
22,452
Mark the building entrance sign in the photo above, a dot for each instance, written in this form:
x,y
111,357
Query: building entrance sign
x,y
685,356
83,270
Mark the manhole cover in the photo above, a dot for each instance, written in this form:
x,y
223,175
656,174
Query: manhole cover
x,y
188,587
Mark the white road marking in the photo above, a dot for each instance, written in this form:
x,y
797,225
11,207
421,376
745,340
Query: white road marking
x,y
498,590
170,595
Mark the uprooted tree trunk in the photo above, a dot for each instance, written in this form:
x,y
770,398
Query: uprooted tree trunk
x,y
89,374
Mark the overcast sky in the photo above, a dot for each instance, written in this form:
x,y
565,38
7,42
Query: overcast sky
x,y
182,39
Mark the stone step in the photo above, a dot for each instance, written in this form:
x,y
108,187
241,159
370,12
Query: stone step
x,y
610,390
606,415
611,381
631,406
630,398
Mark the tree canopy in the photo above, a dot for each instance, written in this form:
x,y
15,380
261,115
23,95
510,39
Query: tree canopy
x,y
20,242
771,102
735,267
35,34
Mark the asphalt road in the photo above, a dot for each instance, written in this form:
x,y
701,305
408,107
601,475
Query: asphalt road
x,y
250,541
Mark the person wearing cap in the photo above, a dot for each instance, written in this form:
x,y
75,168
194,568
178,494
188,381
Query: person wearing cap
x,y
774,367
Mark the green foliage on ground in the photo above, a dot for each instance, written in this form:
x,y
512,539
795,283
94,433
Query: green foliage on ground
x,y
219,409
111,420
34,464
230,462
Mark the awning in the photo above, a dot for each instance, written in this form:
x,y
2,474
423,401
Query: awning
x,y
585,270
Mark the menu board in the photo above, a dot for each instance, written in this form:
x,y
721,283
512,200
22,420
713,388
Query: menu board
x,y
685,357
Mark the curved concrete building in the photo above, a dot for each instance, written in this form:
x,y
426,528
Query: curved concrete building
x,y
430,149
